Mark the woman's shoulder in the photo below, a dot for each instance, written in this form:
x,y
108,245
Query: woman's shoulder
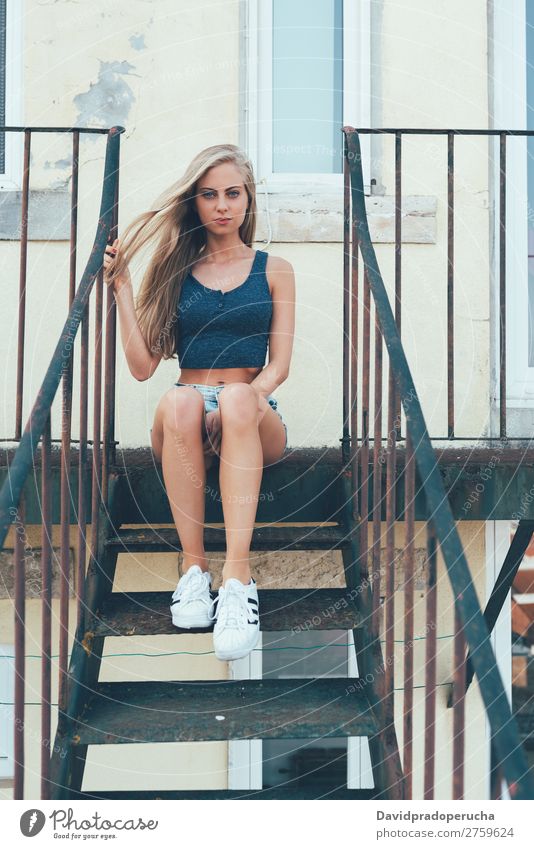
x,y
277,263
280,275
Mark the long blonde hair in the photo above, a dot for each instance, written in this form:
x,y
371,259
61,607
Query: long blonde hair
x,y
181,240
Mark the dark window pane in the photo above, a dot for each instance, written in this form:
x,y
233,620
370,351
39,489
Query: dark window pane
x,y
305,763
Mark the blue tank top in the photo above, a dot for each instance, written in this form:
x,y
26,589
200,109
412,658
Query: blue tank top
x,y
217,329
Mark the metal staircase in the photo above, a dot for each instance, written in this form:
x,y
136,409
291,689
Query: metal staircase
x,y
336,501
180,711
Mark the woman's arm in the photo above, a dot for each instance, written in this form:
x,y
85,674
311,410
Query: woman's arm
x,y
141,362
282,279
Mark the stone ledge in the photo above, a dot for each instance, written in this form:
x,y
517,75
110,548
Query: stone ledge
x,y
311,213
315,214
48,215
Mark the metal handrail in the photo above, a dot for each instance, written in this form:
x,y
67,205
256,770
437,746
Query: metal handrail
x,y
505,736
22,460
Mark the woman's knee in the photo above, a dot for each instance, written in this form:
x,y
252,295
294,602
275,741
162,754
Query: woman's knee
x,y
182,408
238,402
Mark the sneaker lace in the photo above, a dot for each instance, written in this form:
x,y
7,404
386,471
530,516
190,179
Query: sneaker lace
x,y
232,609
192,588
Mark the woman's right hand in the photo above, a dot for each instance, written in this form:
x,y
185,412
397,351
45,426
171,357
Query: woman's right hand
x,y
108,262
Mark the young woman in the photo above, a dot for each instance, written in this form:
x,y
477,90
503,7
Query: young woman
x,y
208,297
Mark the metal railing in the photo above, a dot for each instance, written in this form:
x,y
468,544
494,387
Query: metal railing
x,y
38,429
418,450
492,182
366,293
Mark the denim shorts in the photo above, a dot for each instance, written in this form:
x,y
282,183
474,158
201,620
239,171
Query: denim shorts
x,y
211,399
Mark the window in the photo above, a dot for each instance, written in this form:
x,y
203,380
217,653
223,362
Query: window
x,y
307,87
7,697
2,84
326,762
497,543
11,144
308,71
530,172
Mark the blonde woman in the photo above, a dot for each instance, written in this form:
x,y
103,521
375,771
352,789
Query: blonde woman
x,y
217,304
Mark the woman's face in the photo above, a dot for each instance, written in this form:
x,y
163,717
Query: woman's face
x,y
221,199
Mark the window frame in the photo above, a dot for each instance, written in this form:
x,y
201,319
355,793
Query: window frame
x,y
257,55
7,711
497,543
510,112
11,178
245,763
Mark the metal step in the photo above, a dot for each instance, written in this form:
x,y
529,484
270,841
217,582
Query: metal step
x,y
185,711
307,486
264,538
142,613
284,791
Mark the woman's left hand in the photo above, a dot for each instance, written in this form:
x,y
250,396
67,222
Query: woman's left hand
x,y
212,445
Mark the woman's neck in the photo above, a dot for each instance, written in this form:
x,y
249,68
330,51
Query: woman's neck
x,y
223,252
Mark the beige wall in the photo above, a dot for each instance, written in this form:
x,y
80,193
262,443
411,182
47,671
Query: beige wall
x,y
476,754
155,68
433,61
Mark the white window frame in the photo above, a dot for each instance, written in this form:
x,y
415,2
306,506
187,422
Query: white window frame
x,y
510,105
245,761
258,85
11,178
7,711
497,533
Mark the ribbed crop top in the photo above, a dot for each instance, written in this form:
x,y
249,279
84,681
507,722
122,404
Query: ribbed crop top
x,y
216,329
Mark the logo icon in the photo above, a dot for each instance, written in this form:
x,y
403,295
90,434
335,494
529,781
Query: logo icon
x,y
32,822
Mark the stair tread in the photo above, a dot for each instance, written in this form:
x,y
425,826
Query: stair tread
x,y
185,711
284,791
143,613
264,538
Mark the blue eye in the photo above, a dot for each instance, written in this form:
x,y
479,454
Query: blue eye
x,y
234,192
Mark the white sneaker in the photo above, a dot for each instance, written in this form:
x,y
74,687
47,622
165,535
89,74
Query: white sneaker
x,y
237,626
191,600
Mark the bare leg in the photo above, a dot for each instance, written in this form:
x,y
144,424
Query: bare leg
x,y
178,433
240,474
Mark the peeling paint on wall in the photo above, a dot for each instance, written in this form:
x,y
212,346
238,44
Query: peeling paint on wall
x,y
109,100
59,163
138,41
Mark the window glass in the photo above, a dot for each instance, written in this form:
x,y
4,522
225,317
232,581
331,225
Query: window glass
x,y
307,86
305,763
